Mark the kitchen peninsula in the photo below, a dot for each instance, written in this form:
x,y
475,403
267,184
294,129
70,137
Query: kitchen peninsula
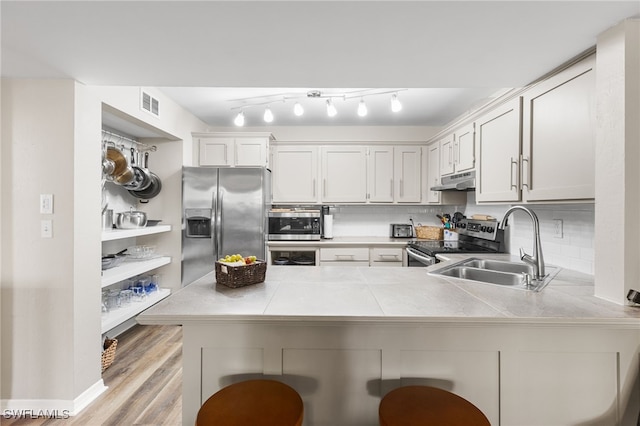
x,y
343,337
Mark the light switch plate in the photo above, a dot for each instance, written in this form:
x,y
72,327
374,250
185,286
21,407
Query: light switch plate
x,y
46,203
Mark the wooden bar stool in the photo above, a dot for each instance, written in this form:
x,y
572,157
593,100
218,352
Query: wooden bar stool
x,y
252,402
428,406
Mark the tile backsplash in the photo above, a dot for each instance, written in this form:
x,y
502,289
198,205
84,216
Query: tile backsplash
x,y
573,250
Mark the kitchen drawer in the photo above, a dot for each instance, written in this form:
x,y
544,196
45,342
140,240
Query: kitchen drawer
x,y
345,254
386,255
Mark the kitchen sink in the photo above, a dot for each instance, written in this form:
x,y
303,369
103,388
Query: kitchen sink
x,y
498,272
499,266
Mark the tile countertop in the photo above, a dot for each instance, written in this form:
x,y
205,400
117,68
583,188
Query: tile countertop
x,y
348,294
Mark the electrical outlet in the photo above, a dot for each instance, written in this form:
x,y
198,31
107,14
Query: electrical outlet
x,y
557,228
46,228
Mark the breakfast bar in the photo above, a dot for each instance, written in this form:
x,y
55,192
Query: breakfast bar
x,y
345,336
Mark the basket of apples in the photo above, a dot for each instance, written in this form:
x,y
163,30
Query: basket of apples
x,y
238,271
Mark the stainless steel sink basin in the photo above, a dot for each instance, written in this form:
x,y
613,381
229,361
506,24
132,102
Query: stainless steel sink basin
x,y
498,272
483,275
499,265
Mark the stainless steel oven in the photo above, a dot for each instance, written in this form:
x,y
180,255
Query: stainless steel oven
x,y
475,236
294,225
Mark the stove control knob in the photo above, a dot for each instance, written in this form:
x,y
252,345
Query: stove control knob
x,y
462,225
490,229
483,228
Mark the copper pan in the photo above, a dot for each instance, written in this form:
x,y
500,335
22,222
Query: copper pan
x,y
122,172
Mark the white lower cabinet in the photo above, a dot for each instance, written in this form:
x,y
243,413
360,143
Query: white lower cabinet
x,y
385,257
516,373
354,256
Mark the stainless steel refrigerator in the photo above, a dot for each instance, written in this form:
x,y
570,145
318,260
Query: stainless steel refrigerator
x,y
224,212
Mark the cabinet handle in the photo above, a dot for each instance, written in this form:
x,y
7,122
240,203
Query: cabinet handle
x,y
314,188
401,188
324,187
513,185
344,257
450,154
525,173
391,188
456,153
225,154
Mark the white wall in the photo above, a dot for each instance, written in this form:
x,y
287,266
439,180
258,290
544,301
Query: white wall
x,y
41,278
50,316
617,244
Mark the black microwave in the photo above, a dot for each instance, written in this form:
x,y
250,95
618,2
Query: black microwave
x,y
294,225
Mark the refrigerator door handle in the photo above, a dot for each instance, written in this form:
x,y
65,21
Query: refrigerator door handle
x,y
214,225
219,226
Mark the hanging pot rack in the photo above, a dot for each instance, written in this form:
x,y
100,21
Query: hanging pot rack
x,y
110,137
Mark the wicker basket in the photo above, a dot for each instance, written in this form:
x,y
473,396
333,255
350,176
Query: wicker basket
x,y
429,232
109,353
241,275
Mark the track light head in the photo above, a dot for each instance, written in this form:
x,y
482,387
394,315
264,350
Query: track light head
x,y
362,108
298,110
268,115
239,120
331,108
395,103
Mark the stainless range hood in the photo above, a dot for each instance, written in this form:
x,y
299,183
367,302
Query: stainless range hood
x,y
459,182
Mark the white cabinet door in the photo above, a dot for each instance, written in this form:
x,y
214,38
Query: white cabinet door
x,y
295,174
447,165
558,156
407,172
498,148
216,151
465,148
433,173
380,171
252,152
344,174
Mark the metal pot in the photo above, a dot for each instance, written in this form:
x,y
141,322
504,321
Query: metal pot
x,y
141,178
131,220
154,188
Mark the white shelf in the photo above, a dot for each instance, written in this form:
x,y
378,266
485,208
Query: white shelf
x,y
117,234
118,316
130,269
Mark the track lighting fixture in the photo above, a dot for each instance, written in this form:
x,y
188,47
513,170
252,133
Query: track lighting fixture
x,y
331,108
268,115
239,120
362,108
266,101
395,103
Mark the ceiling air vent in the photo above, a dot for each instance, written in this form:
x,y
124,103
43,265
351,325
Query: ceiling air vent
x,y
150,104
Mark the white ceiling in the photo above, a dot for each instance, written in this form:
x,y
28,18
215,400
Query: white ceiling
x,y
450,54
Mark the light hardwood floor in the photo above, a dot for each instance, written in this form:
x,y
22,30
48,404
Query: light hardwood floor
x,y
145,383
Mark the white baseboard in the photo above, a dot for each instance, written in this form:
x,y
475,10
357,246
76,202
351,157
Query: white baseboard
x,y
56,408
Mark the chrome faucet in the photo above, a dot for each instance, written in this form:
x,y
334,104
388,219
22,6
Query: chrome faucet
x,y
536,261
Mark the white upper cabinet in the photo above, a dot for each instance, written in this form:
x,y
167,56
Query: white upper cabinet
x,y
498,148
233,150
457,151
344,174
433,173
558,140
464,148
407,174
380,174
295,174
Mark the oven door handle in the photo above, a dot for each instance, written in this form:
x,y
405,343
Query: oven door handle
x,y
426,260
